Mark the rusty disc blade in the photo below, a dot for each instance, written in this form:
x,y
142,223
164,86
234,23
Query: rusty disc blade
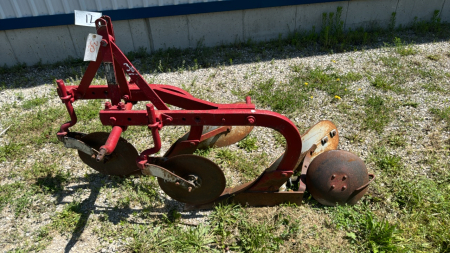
x,y
122,162
336,176
224,139
210,178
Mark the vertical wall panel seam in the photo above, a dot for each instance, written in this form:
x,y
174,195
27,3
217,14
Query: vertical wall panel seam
x,y
442,8
295,19
189,33
49,6
98,5
132,40
33,8
346,15
12,49
16,9
83,5
396,10
73,43
244,39
65,6
150,35
2,13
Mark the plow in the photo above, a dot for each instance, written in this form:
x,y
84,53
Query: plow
x,y
311,161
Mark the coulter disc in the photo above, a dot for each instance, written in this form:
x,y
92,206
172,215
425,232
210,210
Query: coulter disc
x,y
122,162
209,179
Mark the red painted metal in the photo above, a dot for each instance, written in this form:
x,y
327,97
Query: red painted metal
x,y
196,113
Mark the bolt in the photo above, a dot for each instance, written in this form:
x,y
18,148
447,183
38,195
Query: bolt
x,y
223,119
126,97
192,143
333,133
333,176
107,105
104,43
344,177
112,120
344,187
333,186
177,183
121,105
284,174
189,189
251,119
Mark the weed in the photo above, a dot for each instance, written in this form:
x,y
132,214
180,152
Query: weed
x,y
377,114
10,151
133,192
433,57
280,97
223,219
396,140
8,193
248,143
382,82
148,238
68,218
34,102
442,114
402,49
197,239
384,160
203,152
432,87
257,237
249,168
279,139
390,61
365,230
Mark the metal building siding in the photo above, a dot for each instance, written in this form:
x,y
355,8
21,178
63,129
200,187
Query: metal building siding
x,y
33,8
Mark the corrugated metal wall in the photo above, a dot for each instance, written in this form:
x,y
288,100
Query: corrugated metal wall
x,y
33,8
183,23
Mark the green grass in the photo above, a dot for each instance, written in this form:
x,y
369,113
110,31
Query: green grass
x,y
378,114
247,167
294,95
68,219
403,49
10,151
34,102
382,82
442,114
390,164
248,143
365,230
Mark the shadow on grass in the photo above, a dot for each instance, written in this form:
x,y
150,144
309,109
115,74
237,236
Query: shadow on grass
x,y
54,185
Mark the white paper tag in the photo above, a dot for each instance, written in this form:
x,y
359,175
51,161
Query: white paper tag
x,y
92,46
86,18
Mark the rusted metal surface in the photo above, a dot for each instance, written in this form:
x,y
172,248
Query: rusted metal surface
x,y
121,162
236,134
305,166
209,179
253,199
160,172
337,177
314,136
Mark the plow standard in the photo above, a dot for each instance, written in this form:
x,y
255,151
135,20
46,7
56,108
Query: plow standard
x,y
310,161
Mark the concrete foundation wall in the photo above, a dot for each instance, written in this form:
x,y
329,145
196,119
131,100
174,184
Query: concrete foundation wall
x,y
52,44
